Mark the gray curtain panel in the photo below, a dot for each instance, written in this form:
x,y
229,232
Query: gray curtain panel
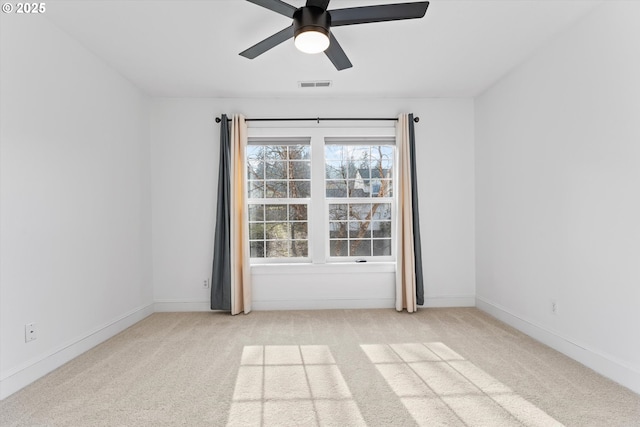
x,y
221,274
417,246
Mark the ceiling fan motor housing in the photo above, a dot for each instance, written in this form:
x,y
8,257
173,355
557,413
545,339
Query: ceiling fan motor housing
x,y
311,18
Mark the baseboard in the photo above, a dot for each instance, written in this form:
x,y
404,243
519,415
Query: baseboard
x,y
604,364
322,304
450,301
23,375
170,305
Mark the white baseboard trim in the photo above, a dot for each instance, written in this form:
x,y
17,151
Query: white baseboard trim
x,y
604,364
322,304
177,305
450,301
21,376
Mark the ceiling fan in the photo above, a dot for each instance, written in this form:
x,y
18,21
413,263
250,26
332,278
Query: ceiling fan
x,y
312,22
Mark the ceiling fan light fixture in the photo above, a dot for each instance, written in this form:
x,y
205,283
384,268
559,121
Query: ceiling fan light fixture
x,y
311,29
312,41
312,22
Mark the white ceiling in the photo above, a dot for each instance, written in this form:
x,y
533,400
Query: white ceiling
x,y
190,48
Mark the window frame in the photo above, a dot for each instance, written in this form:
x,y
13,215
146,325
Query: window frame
x,y
318,203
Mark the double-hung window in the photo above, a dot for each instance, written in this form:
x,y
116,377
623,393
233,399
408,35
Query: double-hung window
x,y
279,194
359,196
321,195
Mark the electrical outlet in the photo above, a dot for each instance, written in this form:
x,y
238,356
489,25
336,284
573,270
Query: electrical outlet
x,y
554,307
205,284
30,332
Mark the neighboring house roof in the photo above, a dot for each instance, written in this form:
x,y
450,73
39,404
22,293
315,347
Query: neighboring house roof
x,y
375,174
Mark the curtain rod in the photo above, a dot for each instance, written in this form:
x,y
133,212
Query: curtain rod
x,y
317,119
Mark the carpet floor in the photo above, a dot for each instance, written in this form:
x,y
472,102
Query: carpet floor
x,y
436,367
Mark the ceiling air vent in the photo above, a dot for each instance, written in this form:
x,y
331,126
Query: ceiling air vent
x,y
318,83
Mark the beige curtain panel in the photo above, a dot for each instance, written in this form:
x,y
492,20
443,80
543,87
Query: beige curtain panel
x,y
405,258
239,228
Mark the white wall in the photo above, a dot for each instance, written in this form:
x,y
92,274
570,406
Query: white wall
x,y
184,153
75,205
558,200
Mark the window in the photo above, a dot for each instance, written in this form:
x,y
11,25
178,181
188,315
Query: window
x,y
317,197
279,188
359,191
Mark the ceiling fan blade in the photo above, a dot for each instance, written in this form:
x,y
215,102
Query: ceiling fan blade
x,y
335,53
268,43
384,12
322,4
277,6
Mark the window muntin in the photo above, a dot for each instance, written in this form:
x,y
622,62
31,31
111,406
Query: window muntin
x,y
278,190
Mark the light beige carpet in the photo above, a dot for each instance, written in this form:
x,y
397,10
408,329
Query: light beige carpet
x,y
452,367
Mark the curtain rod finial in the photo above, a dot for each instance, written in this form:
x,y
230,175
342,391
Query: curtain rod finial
x,y
416,119
218,120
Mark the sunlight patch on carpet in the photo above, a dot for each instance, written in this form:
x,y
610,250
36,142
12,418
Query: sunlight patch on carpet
x,y
439,387
291,385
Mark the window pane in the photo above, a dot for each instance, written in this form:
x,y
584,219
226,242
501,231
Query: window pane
x,y
256,231
338,212
256,189
336,170
297,212
359,230
382,152
334,152
382,211
276,170
338,248
299,230
276,212
276,189
255,169
359,187
299,189
384,168
360,211
299,248
382,247
360,247
278,249
257,249
277,231
382,188
255,152
300,170
275,152
381,228
299,152
359,156
256,212
337,230
336,189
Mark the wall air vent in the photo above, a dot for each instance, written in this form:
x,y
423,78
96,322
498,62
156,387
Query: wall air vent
x,y
318,83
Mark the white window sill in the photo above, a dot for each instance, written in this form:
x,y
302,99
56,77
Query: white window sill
x,y
332,268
